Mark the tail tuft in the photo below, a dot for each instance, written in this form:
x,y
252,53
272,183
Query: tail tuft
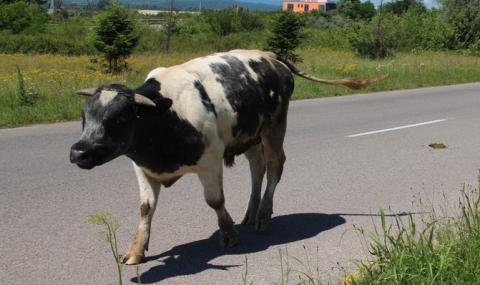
x,y
360,84
348,82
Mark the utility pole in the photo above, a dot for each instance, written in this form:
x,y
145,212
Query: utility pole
x,y
170,23
51,7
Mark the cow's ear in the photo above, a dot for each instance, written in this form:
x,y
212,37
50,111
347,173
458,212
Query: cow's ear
x,y
87,91
164,104
142,100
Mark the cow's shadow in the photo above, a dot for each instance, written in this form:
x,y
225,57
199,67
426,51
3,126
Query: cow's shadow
x,y
194,257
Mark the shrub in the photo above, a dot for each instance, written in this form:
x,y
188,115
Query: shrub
x,y
115,36
372,40
232,20
402,6
464,16
151,40
366,43
419,30
354,9
287,35
475,48
20,16
43,43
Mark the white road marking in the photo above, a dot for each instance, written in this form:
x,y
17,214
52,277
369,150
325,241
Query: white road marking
x,y
396,128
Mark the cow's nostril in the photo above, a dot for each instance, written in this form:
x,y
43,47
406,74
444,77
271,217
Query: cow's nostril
x,y
76,155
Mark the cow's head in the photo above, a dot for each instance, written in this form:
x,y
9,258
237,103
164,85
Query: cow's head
x,y
108,122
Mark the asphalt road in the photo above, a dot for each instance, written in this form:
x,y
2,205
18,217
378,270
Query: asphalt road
x,y
346,158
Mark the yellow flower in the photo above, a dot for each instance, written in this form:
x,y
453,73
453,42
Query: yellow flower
x,y
348,280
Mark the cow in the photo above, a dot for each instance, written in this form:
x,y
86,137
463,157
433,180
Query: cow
x,y
190,118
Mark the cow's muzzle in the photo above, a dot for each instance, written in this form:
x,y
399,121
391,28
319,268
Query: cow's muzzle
x,y
82,156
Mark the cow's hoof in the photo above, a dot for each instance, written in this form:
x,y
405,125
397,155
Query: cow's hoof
x,y
132,259
228,240
263,226
263,222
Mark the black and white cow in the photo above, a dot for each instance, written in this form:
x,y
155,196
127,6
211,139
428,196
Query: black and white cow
x,y
189,118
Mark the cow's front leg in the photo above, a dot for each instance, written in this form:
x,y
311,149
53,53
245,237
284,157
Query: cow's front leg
x,y
211,177
149,190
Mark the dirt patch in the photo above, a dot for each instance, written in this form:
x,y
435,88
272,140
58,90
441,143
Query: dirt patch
x,y
437,145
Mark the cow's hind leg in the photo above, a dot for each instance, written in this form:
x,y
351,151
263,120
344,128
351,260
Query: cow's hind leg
x,y
211,177
149,190
272,140
256,160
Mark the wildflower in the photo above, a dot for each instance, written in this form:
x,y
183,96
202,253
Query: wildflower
x,y
348,280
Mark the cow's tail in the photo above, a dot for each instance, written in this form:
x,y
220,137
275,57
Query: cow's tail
x,y
349,82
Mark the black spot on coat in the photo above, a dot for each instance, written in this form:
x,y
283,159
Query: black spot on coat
x,y
164,142
251,99
150,89
205,98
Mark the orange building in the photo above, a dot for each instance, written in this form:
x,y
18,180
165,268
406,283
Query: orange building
x,y
301,6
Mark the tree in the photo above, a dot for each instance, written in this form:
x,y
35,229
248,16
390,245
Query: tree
x,y
20,16
464,16
232,20
102,4
354,9
39,2
115,36
170,27
373,39
287,35
401,6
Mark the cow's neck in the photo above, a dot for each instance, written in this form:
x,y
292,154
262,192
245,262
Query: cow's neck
x,y
165,143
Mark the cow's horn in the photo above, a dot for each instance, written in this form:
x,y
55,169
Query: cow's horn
x,y
142,100
87,91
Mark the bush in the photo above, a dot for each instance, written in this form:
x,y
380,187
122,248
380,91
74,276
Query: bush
x,y
43,43
356,10
20,16
464,16
475,48
402,6
413,30
372,40
151,40
232,20
195,24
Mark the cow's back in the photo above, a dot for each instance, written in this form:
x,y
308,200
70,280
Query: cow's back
x,y
232,94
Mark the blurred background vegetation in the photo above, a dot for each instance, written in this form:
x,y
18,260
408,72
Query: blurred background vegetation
x,y
407,25
70,48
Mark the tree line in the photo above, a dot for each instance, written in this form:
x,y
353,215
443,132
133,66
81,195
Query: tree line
x,y
114,31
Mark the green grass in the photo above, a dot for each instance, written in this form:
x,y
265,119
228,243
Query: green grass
x,y
438,249
405,71
445,251
54,78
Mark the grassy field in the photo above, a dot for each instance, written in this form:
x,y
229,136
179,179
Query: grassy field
x,y
55,78
444,250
